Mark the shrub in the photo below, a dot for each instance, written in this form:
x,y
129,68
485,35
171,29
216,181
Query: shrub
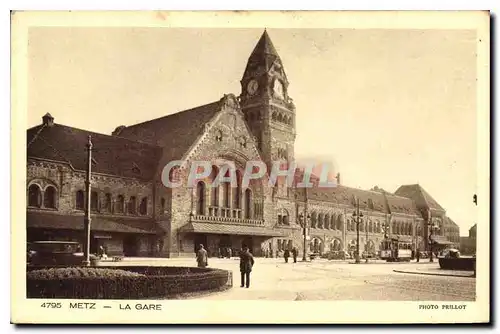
x,y
78,272
138,283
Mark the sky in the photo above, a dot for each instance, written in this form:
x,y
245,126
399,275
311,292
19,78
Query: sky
x,y
387,107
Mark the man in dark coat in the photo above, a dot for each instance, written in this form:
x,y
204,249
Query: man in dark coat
x,y
294,254
246,264
202,257
286,255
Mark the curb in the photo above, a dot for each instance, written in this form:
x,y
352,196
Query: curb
x,y
431,274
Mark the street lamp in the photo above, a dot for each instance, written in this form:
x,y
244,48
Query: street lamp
x,y
357,217
366,244
432,227
304,225
87,219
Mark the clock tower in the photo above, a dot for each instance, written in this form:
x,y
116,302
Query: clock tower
x,y
269,110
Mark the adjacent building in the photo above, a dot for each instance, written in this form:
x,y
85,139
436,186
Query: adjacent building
x,y
134,214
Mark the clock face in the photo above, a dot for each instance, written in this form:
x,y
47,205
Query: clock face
x,y
278,88
252,87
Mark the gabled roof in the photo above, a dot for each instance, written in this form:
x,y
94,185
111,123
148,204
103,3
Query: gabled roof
x,y
111,155
175,133
421,197
398,204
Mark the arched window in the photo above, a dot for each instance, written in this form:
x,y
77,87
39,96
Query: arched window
x,y
49,197
237,191
162,203
362,226
120,204
273,116
143,207
226,186
107,203
332,222
34,196
132,205
200,198
339,222
94,201
248,204
283,218
214,189
326,222
280,117
370,227
80,200
218,135
320,220
313,220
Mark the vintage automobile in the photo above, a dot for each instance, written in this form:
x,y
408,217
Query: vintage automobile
x,y
56,253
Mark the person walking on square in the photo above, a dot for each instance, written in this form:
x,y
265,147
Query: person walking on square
x,y
418,255
202,257
294,254
286,254
246,264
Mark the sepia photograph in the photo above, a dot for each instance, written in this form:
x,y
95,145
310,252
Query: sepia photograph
x,y
338,160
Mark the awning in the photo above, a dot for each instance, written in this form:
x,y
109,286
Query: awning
x,y
98,223
218,228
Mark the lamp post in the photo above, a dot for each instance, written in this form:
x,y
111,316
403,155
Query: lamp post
x,y
87,220
366,245
357,218
304,224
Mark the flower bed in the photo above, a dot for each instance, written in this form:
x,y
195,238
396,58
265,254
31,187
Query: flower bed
x,y
123,283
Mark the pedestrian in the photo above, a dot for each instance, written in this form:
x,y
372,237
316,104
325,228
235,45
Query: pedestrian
x,y
286,254
202,257
294,254
229,252
246,264
418,255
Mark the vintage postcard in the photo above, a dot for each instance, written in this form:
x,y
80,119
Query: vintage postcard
x,y
250,167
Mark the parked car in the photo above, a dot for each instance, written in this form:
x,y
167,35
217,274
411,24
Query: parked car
x,y
56,253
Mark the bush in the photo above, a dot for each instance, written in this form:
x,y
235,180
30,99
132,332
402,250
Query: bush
x,y
139,283
76,272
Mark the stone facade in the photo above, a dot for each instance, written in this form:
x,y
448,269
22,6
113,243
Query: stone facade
x,y
258,125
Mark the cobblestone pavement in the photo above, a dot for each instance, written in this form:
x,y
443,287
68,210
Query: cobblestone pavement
x,y
272,279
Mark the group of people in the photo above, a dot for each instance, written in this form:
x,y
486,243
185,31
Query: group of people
x,y
286,254
246,263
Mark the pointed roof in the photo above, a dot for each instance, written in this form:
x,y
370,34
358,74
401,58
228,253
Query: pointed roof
x,y
421,197
264,54
264,47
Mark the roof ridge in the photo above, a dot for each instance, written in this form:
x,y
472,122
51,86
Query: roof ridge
x,y
106,135
175,113
36,134
55,150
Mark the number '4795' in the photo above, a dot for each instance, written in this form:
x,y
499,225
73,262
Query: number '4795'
x,y
51,305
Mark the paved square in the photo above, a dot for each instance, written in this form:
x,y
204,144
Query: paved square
x,y
272,279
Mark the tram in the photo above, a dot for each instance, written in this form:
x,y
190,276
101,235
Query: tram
x,y
395,250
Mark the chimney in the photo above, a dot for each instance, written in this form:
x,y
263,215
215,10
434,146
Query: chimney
x,y
338,178
48,120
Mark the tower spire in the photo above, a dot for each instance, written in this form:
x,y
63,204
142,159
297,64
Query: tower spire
x,y
264,47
